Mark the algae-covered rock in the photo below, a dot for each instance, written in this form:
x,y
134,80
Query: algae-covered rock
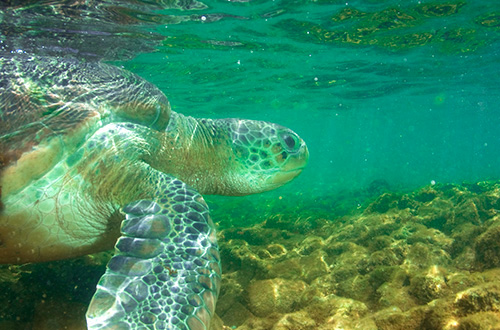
x,y
488,248
480,321
436,213
50,314
242,257
463,237
335,312
310,244
467,212
256,323
229,306
306,267
295,321
274,296
422,260
426,194
357,288
462,280
377,260
408,261
394,294
481,298
383,204
429,285
416,318
235,315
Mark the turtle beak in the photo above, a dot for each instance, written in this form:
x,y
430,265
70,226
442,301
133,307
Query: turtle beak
x,y
293,166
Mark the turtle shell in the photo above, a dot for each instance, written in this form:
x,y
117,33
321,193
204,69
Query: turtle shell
x,y
51,104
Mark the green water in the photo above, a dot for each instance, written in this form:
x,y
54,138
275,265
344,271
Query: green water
x,y
380,109
389,96
400,92
412,98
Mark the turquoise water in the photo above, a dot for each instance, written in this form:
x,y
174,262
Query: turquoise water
x,y
391,105
405,92
369,111
388,95
399,92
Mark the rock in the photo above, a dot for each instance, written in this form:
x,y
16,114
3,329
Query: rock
x,y
15,325
229,307
421,256
430,285
309,245
426,194
276,250
383,204
216,323
466,260
340,250
358,288
466,212
295,321
334,312
463,240
407,203
380,242
488,248
255,323
394,319
436,214
240,257
480,321
348,324
384,258
231,291
307,267
53,314
481,298
394,292
274,296
340,307
236,315
460,281
432,237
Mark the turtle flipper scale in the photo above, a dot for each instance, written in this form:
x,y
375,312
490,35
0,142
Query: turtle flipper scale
x,y
166,270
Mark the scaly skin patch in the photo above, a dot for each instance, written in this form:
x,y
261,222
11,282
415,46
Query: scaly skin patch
x,y
166,270
72,209
32,165
53,218
230,156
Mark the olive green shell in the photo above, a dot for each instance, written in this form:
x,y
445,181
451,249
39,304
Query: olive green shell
x,y
46,97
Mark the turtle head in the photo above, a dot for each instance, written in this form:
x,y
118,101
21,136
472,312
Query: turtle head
x,y
230,156
266,155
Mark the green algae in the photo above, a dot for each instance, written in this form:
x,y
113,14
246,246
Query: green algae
x,y
404,257
352,26
425,259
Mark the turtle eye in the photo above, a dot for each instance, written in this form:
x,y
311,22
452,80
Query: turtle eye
x,y
290,140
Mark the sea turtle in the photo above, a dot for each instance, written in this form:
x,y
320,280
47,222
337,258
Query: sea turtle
x,y
93,155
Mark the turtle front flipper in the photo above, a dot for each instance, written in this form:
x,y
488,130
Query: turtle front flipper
x,y
166,270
